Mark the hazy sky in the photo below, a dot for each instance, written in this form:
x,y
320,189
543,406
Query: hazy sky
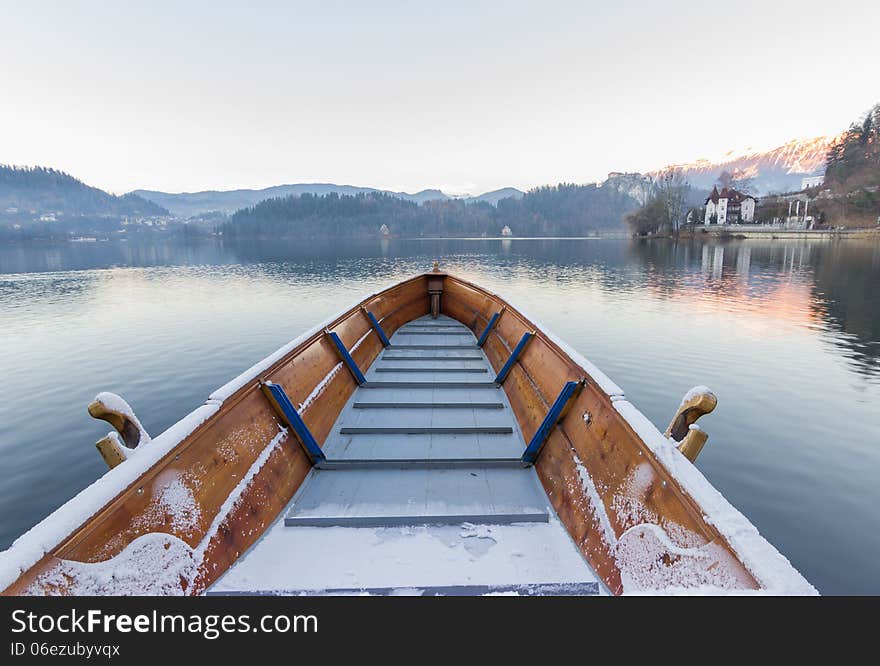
x,y
465,96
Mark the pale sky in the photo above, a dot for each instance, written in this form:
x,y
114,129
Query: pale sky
x,y
464,96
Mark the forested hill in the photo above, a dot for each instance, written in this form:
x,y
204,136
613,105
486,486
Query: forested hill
x,y
854,161
562,210
36,190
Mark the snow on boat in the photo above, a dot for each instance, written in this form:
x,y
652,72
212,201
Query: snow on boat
x,y
432,439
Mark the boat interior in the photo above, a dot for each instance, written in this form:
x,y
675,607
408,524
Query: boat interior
x,y
422,490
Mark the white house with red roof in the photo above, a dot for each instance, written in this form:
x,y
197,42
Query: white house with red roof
x,y
729,206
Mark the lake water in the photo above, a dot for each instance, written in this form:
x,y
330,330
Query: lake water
x,y
786,333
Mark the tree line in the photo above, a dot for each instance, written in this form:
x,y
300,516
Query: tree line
x,y
852,174
853,162
561,210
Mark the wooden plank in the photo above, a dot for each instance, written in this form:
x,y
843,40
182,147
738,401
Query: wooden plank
x,y
432,358
428,430
427,405
404,331
386,497
422,463
568,589
407,346
438,370
431,385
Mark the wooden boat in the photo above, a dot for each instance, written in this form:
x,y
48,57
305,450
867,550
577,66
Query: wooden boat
x,y
431,439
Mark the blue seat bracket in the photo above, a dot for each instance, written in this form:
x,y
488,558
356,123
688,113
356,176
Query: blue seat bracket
x,y
377,327
346,358
514,355
554,415
287,412
485,334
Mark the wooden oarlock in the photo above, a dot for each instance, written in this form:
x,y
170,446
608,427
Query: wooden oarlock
x,y
683,429
114,448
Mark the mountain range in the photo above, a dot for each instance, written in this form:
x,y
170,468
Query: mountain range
x,y
28,193
771,171
189,204
780,169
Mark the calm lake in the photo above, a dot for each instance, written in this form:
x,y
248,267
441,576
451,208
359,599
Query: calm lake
x,y
787,333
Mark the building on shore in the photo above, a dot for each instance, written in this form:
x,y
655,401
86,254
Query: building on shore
x,y
812,181
506,231
729,206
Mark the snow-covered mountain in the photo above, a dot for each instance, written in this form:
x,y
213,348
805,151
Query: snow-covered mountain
x,y
778,170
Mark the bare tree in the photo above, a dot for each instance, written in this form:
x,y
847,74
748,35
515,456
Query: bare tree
x,y
664,211
672,190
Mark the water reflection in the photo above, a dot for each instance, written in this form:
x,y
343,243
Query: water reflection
x,y
829,285
833,286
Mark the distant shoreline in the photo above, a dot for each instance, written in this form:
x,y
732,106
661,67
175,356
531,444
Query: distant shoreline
x,y
689,235
780,234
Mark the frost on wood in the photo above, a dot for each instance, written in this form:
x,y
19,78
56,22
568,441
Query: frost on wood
x,y
319,389
156,563
173,504
413,556
771,569
596,505
693,393
47,534
652,553
650,561
153,564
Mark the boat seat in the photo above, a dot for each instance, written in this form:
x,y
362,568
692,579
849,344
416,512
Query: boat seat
x,y
423,478
393,497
